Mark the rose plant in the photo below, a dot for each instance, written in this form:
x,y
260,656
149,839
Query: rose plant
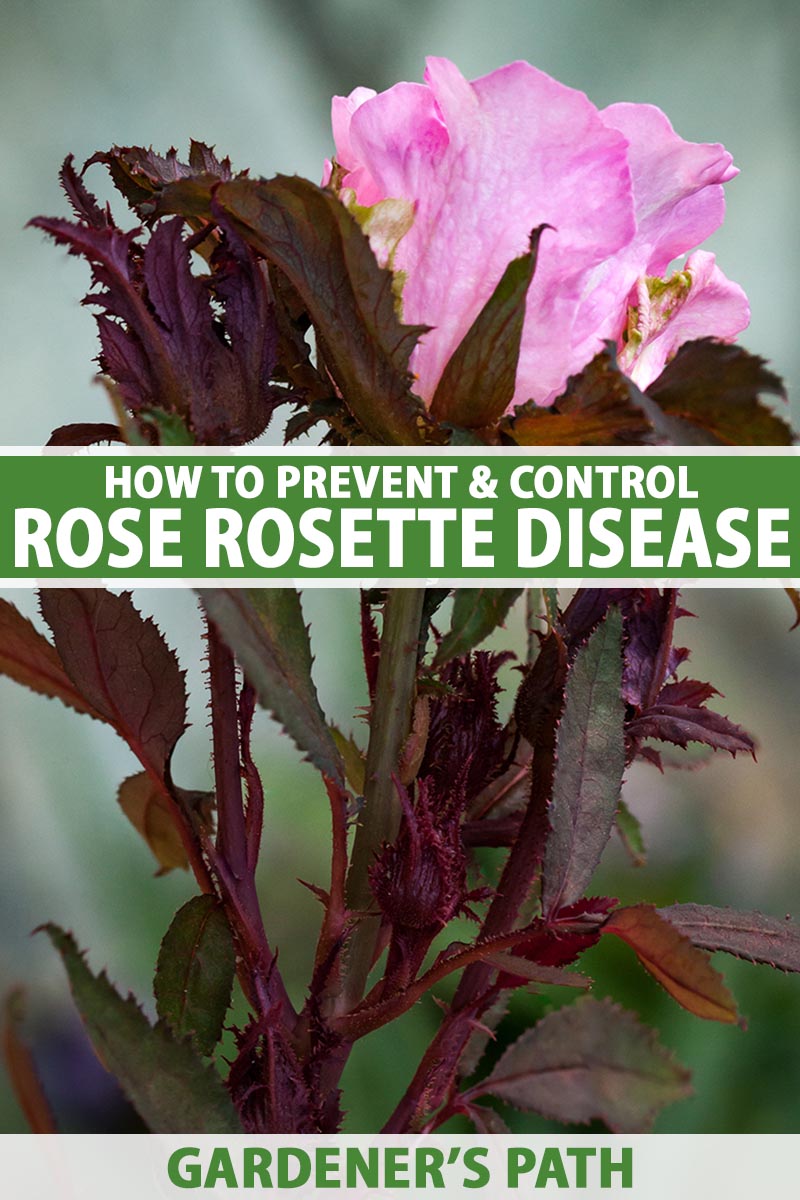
x,y
484,263
482,164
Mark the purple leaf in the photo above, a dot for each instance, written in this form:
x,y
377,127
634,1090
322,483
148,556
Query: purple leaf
x,y
83,203
476,613
27,657
85,435
466,743
477,384
746,935
682,724
265,629
310,237
716,389
589,767
140,174
162,341
590,1061
122,666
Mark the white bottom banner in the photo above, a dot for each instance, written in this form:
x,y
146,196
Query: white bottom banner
x,y
652,1167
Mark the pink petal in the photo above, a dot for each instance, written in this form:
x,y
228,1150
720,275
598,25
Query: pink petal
x,y
679,202
713,307
358,178
485,163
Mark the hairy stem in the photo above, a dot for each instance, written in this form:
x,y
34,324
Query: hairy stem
x,y
231,857
390,723
474,991
231,835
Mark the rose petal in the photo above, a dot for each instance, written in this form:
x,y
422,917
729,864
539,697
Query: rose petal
x,y
358,178
713,306
486,162
677,186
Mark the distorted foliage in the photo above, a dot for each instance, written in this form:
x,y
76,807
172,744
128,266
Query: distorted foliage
x,y
234,295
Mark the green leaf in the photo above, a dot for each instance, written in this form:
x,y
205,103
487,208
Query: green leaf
x,y
264,628
714,391
169,1085
353,758
590,763
171,427
194,975
590,1061
307,233
476,612
550,597
631,836
477,385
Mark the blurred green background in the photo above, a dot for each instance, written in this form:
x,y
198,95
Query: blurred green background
x,y
255,77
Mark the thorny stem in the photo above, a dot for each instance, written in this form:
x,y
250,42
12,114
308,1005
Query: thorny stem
x,y
187,833
369,1017
335,910
661,664
390,723
231,834
233,863
532,598
518,875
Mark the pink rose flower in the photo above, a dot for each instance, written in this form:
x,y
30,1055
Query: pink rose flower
x,y
480,164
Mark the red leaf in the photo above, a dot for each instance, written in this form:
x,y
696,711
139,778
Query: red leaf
x,y
590,910
588,1061
86,434
682,724
683,970
589,767
600,407
122,666
22,1072
717,389
28,658
690,692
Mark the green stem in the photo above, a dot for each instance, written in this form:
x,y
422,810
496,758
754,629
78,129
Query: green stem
x,y
390,723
